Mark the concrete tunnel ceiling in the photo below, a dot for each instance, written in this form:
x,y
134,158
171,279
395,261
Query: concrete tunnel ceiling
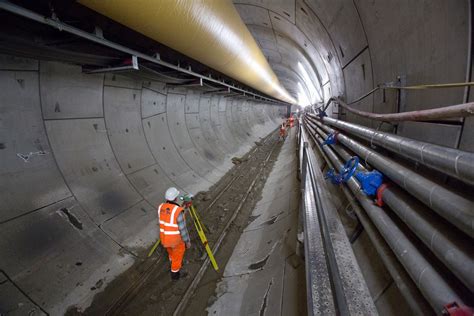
x,y
281,51
94,153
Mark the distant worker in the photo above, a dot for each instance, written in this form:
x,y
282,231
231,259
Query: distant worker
x,y
174,235
292,120
282,131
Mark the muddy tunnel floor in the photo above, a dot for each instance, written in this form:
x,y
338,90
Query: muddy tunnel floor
x,y
147,289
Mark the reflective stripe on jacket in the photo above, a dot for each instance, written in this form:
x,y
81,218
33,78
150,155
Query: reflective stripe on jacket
x,y
169,231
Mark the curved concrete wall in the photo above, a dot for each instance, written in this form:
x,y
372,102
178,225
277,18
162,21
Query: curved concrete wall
x,y
85,159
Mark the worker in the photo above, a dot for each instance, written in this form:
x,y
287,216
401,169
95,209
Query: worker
x,y
292,120
174,235
282,131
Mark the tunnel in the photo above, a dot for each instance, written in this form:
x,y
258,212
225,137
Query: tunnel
x,y
323,152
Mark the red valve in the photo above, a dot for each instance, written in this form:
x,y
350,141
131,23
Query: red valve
x,y
380,190
453,309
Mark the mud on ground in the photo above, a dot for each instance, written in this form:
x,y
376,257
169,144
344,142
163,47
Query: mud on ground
x,y
158,295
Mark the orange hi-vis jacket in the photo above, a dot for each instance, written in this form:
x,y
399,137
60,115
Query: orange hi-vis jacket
x,y
169,231
282,130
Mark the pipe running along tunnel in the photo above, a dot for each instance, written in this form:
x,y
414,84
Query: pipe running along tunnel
x,y
106,104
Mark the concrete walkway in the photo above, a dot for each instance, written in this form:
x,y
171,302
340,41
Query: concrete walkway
x,y
264,276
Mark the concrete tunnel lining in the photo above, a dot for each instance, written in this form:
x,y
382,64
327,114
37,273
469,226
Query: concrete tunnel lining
x,y
104,148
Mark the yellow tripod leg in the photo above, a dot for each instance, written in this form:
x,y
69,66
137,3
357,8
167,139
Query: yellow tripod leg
x,y
202,236
152,250
196,215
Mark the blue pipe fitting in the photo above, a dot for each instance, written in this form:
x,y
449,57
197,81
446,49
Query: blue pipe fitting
x,y
369,181
321,113
347,171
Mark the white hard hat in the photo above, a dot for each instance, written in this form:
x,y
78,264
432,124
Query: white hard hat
x,y
171,194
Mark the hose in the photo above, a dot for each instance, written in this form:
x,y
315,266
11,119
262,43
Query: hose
x,y
416,87
459,110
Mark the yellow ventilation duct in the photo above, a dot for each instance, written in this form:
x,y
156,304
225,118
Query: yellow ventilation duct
x,y
209,31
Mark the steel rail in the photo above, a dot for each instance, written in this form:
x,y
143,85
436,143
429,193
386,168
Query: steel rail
x,y
320,299
61,26
452,206
454,162
312,188
455,250
431,283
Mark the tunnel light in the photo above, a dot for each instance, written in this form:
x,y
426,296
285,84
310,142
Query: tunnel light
x,y
315,93
303,99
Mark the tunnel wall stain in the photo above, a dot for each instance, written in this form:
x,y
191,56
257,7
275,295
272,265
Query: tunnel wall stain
x,y
112,146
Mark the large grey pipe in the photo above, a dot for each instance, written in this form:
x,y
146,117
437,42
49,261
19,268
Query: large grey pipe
x,y
402,279
454,250
454,162
431,284
455,208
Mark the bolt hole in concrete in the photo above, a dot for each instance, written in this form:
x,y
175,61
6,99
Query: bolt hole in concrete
x,y
21,82
72,218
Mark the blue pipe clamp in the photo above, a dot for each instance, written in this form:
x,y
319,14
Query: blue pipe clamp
x,y
331,139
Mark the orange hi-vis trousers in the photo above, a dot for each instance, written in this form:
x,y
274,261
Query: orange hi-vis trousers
x,y
176,255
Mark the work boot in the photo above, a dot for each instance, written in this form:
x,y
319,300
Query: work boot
x,y
178,275
175,276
